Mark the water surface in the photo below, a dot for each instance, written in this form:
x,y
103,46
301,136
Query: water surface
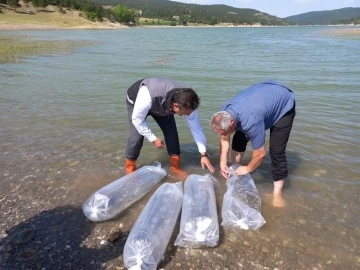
x,y
63,132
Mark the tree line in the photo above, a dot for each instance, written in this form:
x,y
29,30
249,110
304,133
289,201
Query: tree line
x,y
128,11
326,17
194,13
354,21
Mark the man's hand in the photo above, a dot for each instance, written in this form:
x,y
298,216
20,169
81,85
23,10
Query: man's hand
x,y
205,161
224,170
159,143
242,170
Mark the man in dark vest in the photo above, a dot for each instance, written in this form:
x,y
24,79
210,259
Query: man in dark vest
x,y
162,98
267,105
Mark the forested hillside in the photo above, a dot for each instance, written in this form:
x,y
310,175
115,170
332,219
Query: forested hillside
x,y
209,14
325,17
349,21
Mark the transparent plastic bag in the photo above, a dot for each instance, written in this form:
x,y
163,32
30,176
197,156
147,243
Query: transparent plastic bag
x,y
152,231
115,197
199,224
242,203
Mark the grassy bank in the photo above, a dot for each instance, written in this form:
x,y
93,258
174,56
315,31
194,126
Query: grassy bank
x,y
56,19
14,49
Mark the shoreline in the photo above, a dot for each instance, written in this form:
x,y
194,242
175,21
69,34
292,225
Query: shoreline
x,y
39,27
349,29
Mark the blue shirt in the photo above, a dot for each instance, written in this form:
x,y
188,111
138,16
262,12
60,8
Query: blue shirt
x,y
258,108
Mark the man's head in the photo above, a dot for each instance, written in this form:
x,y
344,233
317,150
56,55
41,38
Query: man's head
x,y
223,123
184,101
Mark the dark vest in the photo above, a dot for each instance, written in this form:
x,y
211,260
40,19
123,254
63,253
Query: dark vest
x,y
161,91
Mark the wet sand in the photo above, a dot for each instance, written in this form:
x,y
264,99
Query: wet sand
x,y
44,227
347,32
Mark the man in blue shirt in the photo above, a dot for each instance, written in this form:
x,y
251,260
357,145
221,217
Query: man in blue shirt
x,y
267,105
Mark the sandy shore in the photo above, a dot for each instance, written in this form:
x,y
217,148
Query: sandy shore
x,y
345,31
39,27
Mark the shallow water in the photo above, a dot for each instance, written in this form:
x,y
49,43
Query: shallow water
x,y
63,132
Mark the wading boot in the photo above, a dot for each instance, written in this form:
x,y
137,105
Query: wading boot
x,y
130,166
174,162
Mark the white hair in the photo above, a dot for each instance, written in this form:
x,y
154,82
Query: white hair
x,y
221,120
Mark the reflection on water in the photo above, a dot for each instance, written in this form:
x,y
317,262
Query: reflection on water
x,y
63,133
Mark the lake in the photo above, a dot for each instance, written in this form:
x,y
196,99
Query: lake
x,y
64,129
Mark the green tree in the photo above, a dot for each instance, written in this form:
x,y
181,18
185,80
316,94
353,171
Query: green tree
x,y
213,21
123,14
64,3
13,3
40,3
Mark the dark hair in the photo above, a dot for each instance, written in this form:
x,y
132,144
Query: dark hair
x,y
186,98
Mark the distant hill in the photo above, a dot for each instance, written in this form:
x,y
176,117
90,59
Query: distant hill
x,y
209,14
325,17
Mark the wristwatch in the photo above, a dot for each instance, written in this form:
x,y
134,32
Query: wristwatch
x,y
204,155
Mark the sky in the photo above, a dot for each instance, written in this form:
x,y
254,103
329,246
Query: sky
x,y
281,8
